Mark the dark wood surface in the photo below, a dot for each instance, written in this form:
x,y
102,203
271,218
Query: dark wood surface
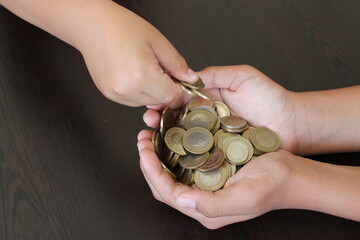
x,y
69,165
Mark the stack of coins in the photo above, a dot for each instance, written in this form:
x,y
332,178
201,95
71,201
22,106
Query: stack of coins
x,y
202,143
195,89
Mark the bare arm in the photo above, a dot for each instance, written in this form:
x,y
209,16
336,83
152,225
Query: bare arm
x,y
126,56
328,121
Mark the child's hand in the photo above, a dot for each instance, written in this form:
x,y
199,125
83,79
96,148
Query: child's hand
x,y
260,186
130,61
253,96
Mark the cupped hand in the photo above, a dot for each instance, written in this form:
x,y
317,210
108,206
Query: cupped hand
x,y
130,60
260,186
253,96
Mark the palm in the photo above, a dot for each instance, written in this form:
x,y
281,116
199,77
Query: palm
x,y
259,100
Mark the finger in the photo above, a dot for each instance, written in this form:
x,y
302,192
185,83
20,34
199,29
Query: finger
x,y
152,188
228,77
162,88
145,143
172,61
145,134
158,107
161,180
152,118
232,201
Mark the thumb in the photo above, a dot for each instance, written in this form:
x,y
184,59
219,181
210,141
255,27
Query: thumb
x,y
228,77
225,202
170,59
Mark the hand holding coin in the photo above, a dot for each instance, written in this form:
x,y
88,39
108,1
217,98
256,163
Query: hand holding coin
x,y
259,186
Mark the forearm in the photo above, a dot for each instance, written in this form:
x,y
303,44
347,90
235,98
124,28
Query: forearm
x,y
325,188
329,121
73,21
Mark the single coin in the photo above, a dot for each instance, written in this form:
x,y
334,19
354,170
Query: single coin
x,y
232,168
211,180
197,140
215,160
167,120
199,118
179,171
235,130
265,140
167,155
173,140
216,126
221,109
209,109
158,144
237,152
216,136
198,101
166,169
196,85
257,152
193,161
247,132
250,150
185,89
222,137
174,161
181,116
187,177
204,94
233,122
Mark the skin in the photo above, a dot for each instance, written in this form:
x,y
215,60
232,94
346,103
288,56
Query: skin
x,y
129,60
307,123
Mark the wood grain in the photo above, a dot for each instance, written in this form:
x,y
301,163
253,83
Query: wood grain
x,y
68,159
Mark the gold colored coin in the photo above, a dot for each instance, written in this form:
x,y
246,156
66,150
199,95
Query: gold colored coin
x,y
216,126
187,177
199,118
233,122
197,140
222,137
215,160
174,161
231,167
236,130
166,169
198,101
185,89
173,140
221,109
181,116
167,120
247,132
158,144
179,171
203,94
265,140
239,151
216,136
196,85
211,180
209,109
193,161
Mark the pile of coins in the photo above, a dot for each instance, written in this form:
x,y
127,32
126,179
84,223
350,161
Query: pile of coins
x,y
202,143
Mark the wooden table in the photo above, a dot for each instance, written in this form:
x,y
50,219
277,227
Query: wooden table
x,y
69,165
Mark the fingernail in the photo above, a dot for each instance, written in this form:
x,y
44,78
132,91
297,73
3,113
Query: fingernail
x,y
193,75
186,203
139,147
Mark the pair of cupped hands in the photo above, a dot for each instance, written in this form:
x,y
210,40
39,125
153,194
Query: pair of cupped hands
x,y
262,184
